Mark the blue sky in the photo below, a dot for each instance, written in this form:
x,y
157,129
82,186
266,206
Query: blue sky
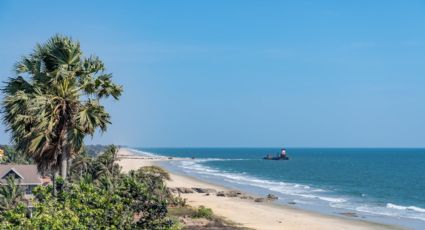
x,y
244,73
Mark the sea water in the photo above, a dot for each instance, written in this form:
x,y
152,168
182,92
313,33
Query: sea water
x,y
380,185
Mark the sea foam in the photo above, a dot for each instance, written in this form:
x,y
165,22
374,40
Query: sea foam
x,y
142,153
306,194
282,188
399,207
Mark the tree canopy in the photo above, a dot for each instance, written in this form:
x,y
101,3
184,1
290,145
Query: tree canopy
x,y
94,200
53,102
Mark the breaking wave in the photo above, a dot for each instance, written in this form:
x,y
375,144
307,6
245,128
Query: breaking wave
x,y
143,153
299,193
281,188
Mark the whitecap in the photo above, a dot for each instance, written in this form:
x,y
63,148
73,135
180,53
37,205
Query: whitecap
x,y
143,153
411,208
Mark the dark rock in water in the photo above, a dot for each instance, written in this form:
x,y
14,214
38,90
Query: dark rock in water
x,y
184,190
292,202
220,193
261,199
272,197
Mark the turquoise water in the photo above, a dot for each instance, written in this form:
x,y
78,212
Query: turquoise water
x,y
383,185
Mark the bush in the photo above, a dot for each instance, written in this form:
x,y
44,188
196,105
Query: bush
x,y
119,202
98,196
203,212
177,201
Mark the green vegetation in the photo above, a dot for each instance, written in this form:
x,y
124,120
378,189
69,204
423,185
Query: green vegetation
x,y
201,218
12,156
203,212
97,196
94,150
49,107
10,195
54,102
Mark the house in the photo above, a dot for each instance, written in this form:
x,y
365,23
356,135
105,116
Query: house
x,y
26,176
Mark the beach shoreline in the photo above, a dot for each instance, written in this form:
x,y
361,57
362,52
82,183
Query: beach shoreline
x,y
247,213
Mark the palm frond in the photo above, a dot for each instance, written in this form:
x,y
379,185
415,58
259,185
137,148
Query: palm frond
x,y
54,101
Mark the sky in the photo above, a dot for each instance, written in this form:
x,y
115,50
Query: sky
x,y
223,73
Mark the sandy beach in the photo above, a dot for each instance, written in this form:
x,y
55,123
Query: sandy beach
x,y
247,213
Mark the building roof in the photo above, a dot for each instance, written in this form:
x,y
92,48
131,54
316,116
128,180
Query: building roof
x,y
27,174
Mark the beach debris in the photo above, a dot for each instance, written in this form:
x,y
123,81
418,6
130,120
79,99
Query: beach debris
x,y
221,193
260,199
269,197
184,190
246,197
272,197
172,190
191,190
204,190
210,190
233,193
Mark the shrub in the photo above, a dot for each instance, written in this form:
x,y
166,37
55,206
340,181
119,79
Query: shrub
x,y
97,196
203,212
177,201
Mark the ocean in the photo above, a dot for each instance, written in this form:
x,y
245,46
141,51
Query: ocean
x,y
379,185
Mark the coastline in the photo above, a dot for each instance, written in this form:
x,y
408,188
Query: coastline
x,y
247,213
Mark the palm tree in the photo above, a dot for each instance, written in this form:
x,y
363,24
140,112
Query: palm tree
x,y
81,164
12,156
11,194
105,164
54,102
108,157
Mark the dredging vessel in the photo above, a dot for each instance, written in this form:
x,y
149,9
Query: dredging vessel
x,y
281,156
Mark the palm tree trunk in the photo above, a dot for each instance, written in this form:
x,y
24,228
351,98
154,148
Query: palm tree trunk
x,y
63,146
54,176
68,165
64,164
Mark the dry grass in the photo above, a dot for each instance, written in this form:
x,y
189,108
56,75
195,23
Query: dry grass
x,y
187,216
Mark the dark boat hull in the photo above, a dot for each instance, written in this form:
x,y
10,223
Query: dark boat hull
x,y
276,158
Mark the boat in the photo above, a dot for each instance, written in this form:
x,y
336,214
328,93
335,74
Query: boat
x,y
281,156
